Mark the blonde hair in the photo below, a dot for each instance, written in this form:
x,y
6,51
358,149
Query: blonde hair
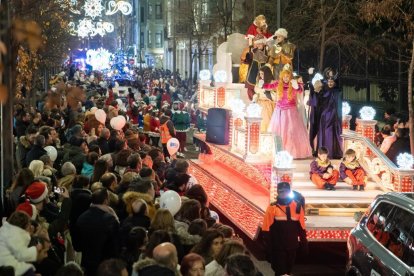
x,y
259,18
280,85
37,166
163,220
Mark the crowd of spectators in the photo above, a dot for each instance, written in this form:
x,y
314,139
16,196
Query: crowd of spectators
x,y
85,198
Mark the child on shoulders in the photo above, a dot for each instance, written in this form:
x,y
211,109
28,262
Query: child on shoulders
x,y
322,173
352,172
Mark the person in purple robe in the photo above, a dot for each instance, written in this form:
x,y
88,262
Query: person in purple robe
x,y
325,118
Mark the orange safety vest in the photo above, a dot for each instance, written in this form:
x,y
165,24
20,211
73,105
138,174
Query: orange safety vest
x,y
165,133
278,212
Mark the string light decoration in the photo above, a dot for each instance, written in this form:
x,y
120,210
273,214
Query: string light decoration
x,y
89,26
405,161
124,7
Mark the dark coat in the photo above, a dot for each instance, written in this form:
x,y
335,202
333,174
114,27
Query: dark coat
x,y
75,155
98,238
103,145
34,154
131,222
81,199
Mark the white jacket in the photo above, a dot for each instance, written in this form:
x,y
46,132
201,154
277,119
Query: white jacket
x,y
214,269
13,249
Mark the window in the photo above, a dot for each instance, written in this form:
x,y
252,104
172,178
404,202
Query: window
x,y
158,40
149,39
142,40
149,11
142,15
158,11
393,227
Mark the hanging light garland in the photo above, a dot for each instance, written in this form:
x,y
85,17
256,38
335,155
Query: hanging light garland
x,y
88,27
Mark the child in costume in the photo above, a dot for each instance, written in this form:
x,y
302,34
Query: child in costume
x,y
259,58
322,173
286,122
281,53
265,98
352,172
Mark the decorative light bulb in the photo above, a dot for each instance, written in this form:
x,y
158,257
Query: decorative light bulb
x,y
205,75
367,113
346,108
254,110
283,160
405,161
220,76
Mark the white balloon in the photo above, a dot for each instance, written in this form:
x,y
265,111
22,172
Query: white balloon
x,y
118,122
173,145
100,115
171,201
51,152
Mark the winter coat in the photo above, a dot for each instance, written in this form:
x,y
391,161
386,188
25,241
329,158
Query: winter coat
x,y
150,267
13,249
182,231
98,238
75,155
81,199
34,154
87,170
22,148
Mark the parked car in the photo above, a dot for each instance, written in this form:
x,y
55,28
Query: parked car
x,y
382,243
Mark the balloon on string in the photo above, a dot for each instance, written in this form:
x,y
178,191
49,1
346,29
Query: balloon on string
x,y
118,122
51,152
100,115
173,145
171,201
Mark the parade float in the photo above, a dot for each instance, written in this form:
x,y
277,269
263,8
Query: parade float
x,y
240,177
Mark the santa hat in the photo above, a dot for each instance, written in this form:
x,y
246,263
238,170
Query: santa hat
x,y
36,192
28,208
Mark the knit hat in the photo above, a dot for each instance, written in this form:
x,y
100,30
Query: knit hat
x,y
36,192
28,208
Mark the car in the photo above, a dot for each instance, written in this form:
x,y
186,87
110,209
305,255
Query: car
x,y
382,243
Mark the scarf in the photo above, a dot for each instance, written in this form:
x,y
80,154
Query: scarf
x,y
322,163
106,209
352,165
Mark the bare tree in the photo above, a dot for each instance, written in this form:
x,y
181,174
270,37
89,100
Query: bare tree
x,y
399,16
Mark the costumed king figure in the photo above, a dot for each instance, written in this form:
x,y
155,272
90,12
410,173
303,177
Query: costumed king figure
x,y
281,53
259,58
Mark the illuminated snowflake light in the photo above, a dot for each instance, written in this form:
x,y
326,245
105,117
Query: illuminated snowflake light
x,y
98,59
87,27
254,110
205,75
367,113
346,108
283,160
237,107
93,8
405,161
220,76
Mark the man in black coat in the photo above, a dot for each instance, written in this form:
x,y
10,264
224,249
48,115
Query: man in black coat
x,y
37,150
98,232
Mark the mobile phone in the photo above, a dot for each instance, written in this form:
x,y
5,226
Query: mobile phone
x,y
62,122
57,190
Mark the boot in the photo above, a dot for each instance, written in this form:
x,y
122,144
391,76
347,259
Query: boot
x,y
361,188
332,187
355,187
